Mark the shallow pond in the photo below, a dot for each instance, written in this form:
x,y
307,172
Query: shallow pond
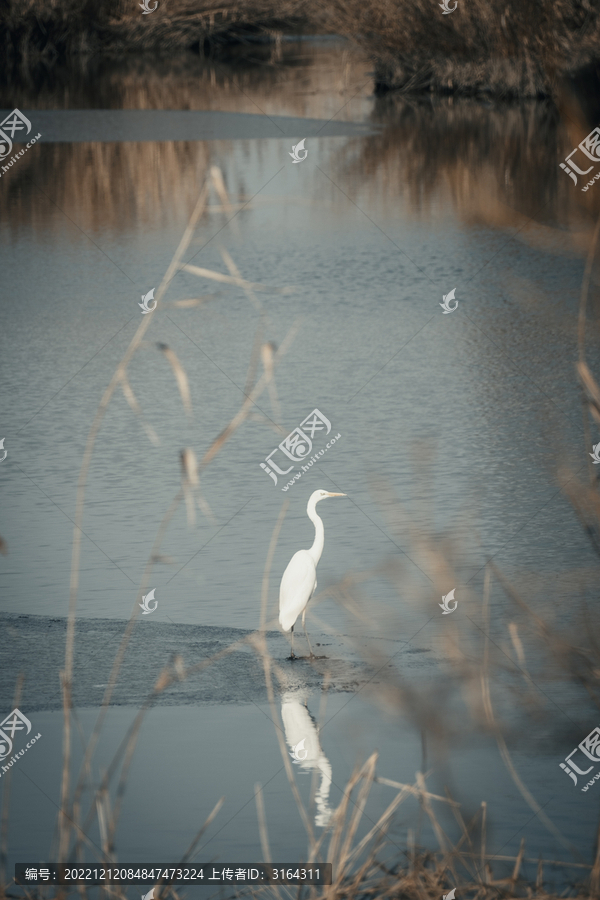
x,y
466,418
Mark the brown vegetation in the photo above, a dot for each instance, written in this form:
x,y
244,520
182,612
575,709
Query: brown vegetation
x,y
34,29
118,184
485,47
511,49
493,166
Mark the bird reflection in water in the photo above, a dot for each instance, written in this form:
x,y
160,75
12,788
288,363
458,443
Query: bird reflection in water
x,y
301,727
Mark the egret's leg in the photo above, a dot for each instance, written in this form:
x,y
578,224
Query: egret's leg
x,y
304,626
292,653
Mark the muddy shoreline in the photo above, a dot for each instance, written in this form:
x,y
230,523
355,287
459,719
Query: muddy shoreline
x,y
236,678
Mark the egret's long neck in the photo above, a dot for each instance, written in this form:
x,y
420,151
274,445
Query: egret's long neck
x,y
317,547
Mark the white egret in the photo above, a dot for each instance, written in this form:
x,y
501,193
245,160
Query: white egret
x,y
299,580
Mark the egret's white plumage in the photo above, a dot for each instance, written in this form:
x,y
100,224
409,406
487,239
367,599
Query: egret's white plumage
x,y
299,580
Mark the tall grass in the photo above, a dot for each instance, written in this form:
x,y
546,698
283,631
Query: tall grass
x,y
509,49
50,29
506,48
118,185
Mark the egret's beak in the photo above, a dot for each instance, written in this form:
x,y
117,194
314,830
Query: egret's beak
x,y
337,495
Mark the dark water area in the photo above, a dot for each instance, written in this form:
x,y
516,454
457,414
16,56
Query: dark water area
x,y
458,434
237,677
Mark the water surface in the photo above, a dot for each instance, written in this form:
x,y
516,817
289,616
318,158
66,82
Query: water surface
x,y
465,418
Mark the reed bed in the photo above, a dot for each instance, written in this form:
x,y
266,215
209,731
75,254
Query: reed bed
x,y
286,77
494,166
116,185
489,666
506,49
51,29
509,50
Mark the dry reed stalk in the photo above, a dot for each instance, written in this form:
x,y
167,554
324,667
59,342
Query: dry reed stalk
x,y
359,806
42,30
128,754
591,388
380,827
442,838
504,751
231,279
124,754
191,301
190,484
184,390
262,824
254,357
221,190
120,377
483,840
465,836
267,356
120,655
496,48
250,400
267,350
235,273
103,812
167,676
180,377
135,406
539,882
67,674
577,660
336,824
191,850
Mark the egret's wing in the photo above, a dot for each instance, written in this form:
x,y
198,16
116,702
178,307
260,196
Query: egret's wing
x,y
296,588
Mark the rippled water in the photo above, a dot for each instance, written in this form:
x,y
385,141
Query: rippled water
x,y
464,417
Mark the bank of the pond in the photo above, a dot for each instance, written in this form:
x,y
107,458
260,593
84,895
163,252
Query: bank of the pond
x,y
50,30
235,677
480,47
503,49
